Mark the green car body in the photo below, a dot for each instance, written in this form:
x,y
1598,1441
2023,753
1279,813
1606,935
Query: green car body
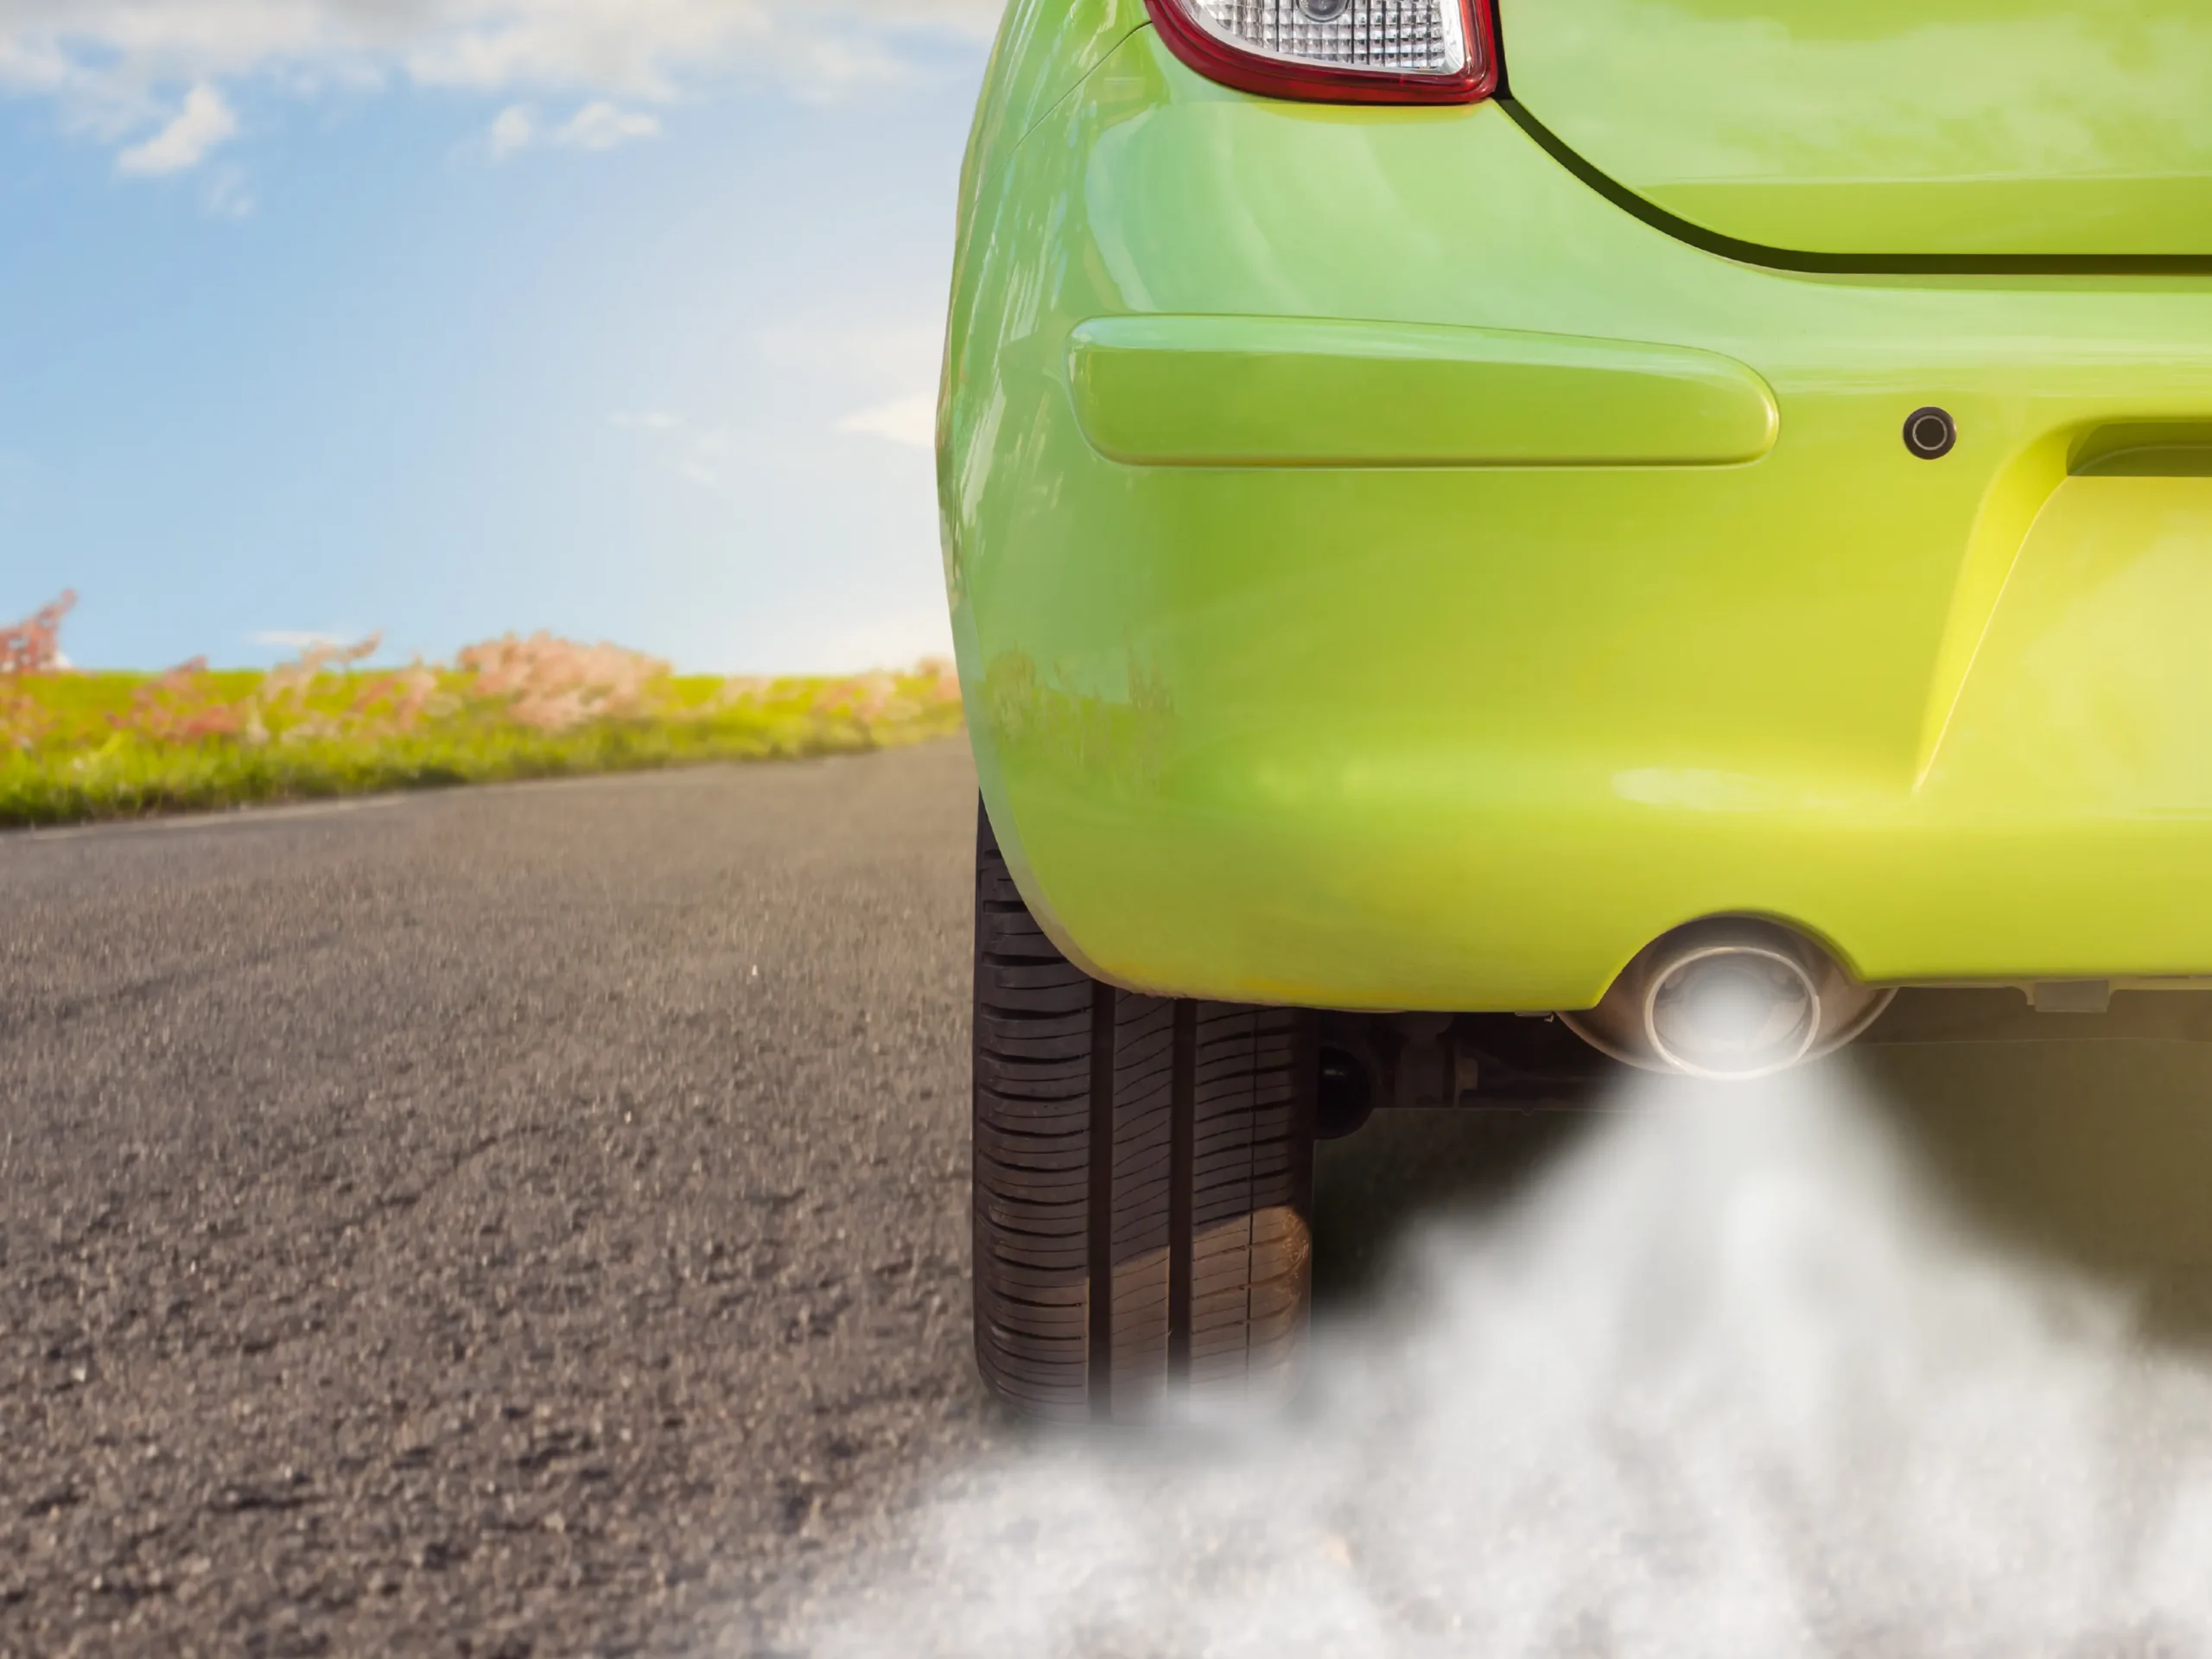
x,y
1413,558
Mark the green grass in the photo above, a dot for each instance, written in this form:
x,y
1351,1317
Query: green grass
x,y
80,747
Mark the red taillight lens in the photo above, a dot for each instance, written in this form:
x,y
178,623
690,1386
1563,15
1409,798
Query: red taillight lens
x,y
1337,51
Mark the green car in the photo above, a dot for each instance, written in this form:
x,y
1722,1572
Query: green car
x,y
1674,518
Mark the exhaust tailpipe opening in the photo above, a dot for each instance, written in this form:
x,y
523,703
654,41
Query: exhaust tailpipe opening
x,y
1733,1011
1731,999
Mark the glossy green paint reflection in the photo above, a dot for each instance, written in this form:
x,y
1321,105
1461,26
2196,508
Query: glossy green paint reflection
x,y
1453,737
1959,127
1041,52
2090,691
1290,392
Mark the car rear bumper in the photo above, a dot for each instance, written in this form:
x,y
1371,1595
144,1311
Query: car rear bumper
x,y
1387,575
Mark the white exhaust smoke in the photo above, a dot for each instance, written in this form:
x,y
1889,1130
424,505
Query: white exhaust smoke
x,y
1727,1381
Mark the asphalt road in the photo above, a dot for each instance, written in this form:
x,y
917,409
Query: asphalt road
x,y
532,1222
514,1222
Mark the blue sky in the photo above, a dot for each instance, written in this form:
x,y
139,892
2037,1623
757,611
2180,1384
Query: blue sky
x,y
618,318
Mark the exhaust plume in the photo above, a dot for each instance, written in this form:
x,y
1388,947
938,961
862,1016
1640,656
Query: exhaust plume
x,y
1728,1379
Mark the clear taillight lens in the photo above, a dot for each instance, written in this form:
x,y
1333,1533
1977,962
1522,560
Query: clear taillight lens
x,y
1416,37
1340,51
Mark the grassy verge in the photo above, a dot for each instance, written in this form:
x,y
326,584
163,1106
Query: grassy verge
x,y
80,747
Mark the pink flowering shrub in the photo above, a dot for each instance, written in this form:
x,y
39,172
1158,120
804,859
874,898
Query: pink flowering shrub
x,y
25,723
557,685
185,705
30,647
34,645
74,745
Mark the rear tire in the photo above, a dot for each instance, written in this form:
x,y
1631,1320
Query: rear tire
x,y
1178,1263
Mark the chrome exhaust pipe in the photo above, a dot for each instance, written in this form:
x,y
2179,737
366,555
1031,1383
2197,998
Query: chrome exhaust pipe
x,y
1731,1000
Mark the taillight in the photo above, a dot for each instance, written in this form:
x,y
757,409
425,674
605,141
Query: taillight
x,y
1337,51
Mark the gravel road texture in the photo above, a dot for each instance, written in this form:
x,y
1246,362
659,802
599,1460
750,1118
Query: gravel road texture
x,y
532,1222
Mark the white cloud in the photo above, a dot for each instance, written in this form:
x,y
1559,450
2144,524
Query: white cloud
x,y
599,126
515,130
301,638
203,125
874,360
698,454
635,47
226,195
116,68
909,421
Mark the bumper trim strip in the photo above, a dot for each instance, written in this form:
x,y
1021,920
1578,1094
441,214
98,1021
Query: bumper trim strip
x,y
1287,391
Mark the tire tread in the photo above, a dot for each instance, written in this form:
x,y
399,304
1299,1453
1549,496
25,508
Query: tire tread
x,y
1245,1256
